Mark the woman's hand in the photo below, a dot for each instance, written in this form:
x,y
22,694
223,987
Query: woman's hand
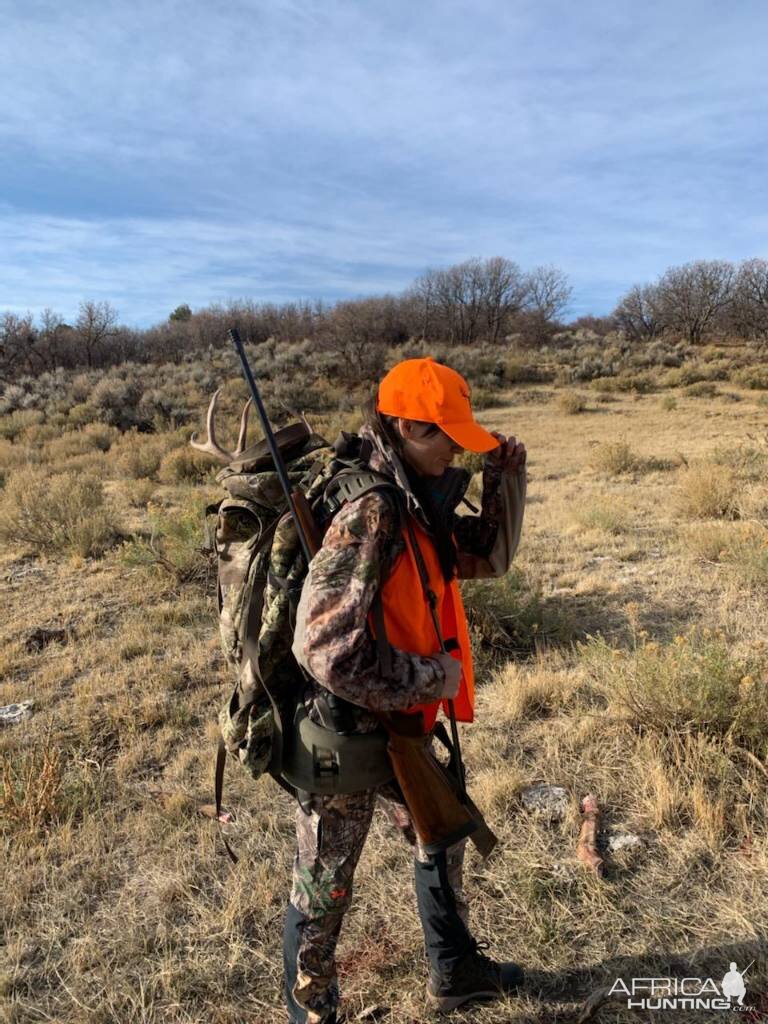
x,y
452,668
511,453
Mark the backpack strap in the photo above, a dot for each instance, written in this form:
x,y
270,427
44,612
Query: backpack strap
x,y
351,483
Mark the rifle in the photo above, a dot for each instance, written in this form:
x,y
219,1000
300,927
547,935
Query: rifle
x,y
436,797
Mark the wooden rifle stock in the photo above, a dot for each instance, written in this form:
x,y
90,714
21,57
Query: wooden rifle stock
x,y
441,813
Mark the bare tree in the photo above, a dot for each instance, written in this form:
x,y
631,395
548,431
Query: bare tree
x,y
749,310
358,332
470,289
421,298
507,290
17,336
96,323
639,313
470,300
549,293
696,296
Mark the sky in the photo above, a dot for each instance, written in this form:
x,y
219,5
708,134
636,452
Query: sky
x,y
159,153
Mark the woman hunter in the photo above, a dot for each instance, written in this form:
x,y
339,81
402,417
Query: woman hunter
x,y
420,421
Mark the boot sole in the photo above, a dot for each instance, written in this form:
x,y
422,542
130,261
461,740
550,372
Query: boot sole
x,y
444,1004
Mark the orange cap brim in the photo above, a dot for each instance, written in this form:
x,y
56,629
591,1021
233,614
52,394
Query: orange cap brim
x,y
470,435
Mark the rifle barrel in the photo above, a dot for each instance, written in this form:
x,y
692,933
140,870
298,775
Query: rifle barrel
x,y
234,337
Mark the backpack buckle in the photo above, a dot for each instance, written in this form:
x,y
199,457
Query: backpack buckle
x,y
326,763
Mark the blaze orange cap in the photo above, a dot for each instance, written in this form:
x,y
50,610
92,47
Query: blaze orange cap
x,y
421,389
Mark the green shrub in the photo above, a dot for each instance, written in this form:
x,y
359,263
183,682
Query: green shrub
x,y
518,371
747,461
59,513
83,413
38,434
509,615
747,555
186,465
755,377
531,396
605,385
472,461
73,442
328,425
692,373
139,455
117,400
101,436
175,545
693,684
138,493
638,383
12,426
741,548
485,398
707,542
13,456
668,403
702,389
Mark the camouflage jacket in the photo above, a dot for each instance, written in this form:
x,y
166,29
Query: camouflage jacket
x,y
332,640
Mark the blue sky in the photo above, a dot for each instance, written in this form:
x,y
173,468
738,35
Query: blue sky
x,y
153,153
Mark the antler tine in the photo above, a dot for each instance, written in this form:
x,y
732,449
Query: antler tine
x,y
211,447
243,428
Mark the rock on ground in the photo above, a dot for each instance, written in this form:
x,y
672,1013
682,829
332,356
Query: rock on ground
x,y
546,801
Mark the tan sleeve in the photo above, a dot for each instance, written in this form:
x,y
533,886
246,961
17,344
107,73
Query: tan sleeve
x,y
513,487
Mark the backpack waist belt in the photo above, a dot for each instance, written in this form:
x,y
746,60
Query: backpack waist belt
x,y
323,761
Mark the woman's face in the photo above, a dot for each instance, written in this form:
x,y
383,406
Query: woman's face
x,y
426,447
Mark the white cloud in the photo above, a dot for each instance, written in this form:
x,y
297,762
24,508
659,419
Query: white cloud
x,y
153,150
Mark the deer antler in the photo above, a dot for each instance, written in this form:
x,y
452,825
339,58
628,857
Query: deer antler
x,y
211,446
241,439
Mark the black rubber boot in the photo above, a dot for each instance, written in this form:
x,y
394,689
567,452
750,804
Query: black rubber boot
x,y
294,922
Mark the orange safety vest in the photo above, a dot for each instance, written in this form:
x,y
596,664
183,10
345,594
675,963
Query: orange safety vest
x,y
409,626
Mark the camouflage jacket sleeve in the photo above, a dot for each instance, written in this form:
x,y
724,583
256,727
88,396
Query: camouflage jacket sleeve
x,y
487,543
332,640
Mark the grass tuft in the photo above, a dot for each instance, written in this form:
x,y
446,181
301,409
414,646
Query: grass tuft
x,y
708,491
571,403
31,787
615,458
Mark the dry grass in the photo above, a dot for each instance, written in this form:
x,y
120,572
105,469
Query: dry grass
x,y
606,514
614,457
571,403
708,491
121,906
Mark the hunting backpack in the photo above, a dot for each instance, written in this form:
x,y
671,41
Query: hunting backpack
x,y
260,572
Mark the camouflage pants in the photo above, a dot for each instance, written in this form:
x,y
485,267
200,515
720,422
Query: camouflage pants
x,y
330,840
